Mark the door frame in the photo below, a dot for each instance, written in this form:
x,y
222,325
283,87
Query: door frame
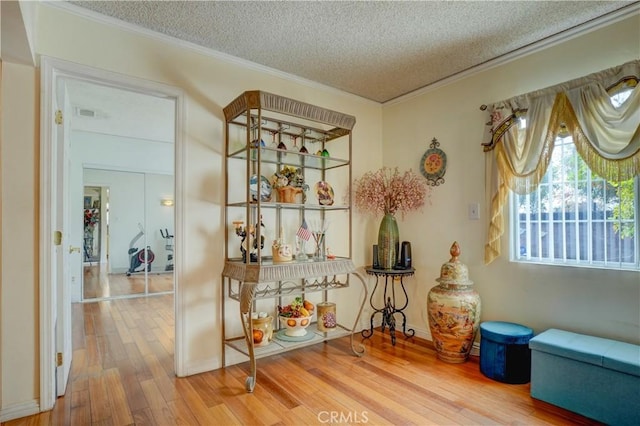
x,y
51,70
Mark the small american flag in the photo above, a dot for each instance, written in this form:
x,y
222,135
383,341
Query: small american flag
x,y
304,232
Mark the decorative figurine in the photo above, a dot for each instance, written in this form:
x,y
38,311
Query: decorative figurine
x,y
282,252
242,232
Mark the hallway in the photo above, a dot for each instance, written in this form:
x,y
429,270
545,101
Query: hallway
x,y
100,284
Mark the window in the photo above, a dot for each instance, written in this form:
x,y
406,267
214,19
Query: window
x,y
576,217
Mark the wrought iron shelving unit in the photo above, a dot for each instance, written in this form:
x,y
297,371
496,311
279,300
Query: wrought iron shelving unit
x,y
250,119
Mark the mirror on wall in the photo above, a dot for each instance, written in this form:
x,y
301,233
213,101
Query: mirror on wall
x,y
138,217
92,221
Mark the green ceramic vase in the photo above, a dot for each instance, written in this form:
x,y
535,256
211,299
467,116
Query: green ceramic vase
x,y
388,242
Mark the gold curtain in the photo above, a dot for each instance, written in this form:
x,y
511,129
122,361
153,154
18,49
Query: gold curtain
x,y
606,137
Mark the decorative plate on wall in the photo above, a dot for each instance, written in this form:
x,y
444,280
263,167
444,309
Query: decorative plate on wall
x,y
434,164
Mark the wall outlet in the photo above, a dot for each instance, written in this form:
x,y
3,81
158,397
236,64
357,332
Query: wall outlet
x,y
474,211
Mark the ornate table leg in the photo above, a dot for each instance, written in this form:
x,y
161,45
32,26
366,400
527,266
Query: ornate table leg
x,y
390,320
389,309
368,333
360,351
401,311
247,291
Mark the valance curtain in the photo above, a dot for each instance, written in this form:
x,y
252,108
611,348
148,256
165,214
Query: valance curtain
x,y
524,128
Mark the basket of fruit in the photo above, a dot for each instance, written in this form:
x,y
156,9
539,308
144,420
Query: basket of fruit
x,y
296,317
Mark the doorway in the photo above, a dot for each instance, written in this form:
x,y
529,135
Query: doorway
x,y
64,220
122,140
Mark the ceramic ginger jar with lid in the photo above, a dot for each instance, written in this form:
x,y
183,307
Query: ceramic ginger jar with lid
x,y
453,308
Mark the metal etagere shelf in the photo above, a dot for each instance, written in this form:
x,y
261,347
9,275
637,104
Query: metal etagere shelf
x,y
309,161
267,290
256,123
275,205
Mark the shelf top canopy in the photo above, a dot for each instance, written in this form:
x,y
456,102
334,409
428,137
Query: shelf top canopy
x,y
269,102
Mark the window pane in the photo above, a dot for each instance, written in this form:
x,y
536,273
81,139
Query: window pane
x,y
628,248
613,244
545,239
611,200
583,201
558,199
597,196
522,237
577,217
558,240
598,241
544,202
570,232
535,246
583,230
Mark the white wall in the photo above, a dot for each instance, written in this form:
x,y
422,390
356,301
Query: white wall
x,y
19,357
158,187
103,151
604,303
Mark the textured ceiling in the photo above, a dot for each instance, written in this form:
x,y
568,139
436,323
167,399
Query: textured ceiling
x,y
378,50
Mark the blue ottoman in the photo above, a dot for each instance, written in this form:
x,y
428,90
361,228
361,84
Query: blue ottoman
x,y
504,352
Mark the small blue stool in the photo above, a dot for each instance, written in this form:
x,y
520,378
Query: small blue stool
x,y
504,352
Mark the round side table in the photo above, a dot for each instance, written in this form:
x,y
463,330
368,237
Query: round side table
x,y
390,308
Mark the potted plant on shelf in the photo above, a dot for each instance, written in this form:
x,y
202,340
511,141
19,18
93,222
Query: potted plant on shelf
x,y
290,185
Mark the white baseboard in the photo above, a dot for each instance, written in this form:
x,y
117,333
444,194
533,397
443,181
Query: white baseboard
x,y
425,334
421,332
17,411
475,349
202,366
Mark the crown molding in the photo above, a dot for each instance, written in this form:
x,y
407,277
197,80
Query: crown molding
x,y
577,31
538,46
126,26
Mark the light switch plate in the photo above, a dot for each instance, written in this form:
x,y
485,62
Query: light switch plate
x,y
474,211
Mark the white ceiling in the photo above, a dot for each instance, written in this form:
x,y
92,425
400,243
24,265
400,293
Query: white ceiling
x,y
118,112
379,50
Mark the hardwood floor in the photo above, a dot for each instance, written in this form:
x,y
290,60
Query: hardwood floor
x,y
122,374
98,283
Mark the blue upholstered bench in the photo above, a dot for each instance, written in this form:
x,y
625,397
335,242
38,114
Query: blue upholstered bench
x,y
598,378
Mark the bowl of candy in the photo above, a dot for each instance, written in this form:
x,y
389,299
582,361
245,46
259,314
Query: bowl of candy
x,y
296,317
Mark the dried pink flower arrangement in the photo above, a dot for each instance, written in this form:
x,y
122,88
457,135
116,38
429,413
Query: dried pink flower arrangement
x,y
387,191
